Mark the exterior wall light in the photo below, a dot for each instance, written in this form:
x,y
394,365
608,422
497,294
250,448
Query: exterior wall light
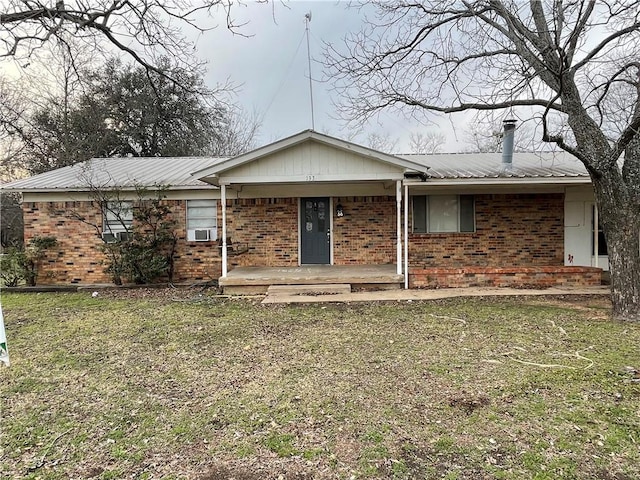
x,y
339,210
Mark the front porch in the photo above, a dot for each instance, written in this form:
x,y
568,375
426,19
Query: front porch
x,y
256,280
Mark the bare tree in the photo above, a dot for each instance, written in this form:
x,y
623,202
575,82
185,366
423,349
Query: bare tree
x,y
143,29
237,132
139,237
59,81
574,65
429,143
485,132
11,223
12,112
383,142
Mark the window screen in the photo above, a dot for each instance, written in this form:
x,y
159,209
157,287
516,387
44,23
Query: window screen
x,y
201,214
117,217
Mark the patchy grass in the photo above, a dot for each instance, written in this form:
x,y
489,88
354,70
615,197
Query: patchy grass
x,y
177,385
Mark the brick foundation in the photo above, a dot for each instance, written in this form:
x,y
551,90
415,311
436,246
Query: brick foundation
x,y
525,277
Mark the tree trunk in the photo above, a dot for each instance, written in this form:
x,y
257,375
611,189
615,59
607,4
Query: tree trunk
x,y
621,225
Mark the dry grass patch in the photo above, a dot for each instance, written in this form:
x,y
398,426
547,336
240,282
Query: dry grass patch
x,y
176,384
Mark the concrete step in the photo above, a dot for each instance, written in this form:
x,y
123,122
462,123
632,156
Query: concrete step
x,y
320,289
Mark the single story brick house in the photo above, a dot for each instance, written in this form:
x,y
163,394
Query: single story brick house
x,y
312,200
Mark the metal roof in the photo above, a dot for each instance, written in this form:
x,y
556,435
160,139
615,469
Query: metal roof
x,y
489,165
121,172
177,172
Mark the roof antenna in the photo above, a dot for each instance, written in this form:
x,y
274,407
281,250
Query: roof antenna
x,y
307,20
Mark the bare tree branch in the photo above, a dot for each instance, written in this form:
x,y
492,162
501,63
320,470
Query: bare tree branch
x,y
143,29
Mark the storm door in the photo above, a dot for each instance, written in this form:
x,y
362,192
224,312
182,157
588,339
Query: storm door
x,y
315,231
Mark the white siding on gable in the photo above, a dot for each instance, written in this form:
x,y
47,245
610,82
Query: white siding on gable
x,y
312,161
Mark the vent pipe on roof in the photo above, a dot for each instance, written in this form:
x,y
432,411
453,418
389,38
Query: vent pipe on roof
x,y
507,142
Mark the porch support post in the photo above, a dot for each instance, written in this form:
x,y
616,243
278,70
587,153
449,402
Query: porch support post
x,y
223,199
596,237
399,226
406,237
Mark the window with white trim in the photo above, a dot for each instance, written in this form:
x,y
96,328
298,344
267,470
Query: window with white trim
x,y
117,220
443,213
202,220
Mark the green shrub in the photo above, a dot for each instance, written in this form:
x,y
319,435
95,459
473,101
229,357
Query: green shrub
x,y
12,264
146,254
18,265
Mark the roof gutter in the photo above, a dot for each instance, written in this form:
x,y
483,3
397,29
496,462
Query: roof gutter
x,y
577,180
122,189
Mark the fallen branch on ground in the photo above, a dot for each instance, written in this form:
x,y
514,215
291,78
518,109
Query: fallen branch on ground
x,y
581,357
552,365
464,322
40,464
534,364
562,330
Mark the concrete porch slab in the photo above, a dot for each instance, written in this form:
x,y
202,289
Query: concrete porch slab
x,y
312,275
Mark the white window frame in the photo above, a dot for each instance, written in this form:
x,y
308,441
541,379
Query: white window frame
x,y
429,224
117,220
207,228
603,251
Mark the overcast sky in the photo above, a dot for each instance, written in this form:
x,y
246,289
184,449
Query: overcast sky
x,y
270,63
267,60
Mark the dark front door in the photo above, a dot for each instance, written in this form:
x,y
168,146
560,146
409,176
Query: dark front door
x,y
315,237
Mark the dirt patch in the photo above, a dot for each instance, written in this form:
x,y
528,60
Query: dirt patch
x,y
469,403
155,293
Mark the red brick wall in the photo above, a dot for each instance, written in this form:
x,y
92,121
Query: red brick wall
x,y
511,230
268,227
367,232
78,259
521,230
193,261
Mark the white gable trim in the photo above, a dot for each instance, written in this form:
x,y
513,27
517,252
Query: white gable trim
x,y
213,174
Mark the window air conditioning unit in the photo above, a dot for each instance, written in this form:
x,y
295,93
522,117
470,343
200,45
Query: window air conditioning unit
x,y
202,235
112,237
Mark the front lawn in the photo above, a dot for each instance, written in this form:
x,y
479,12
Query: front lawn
x,y
177,384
